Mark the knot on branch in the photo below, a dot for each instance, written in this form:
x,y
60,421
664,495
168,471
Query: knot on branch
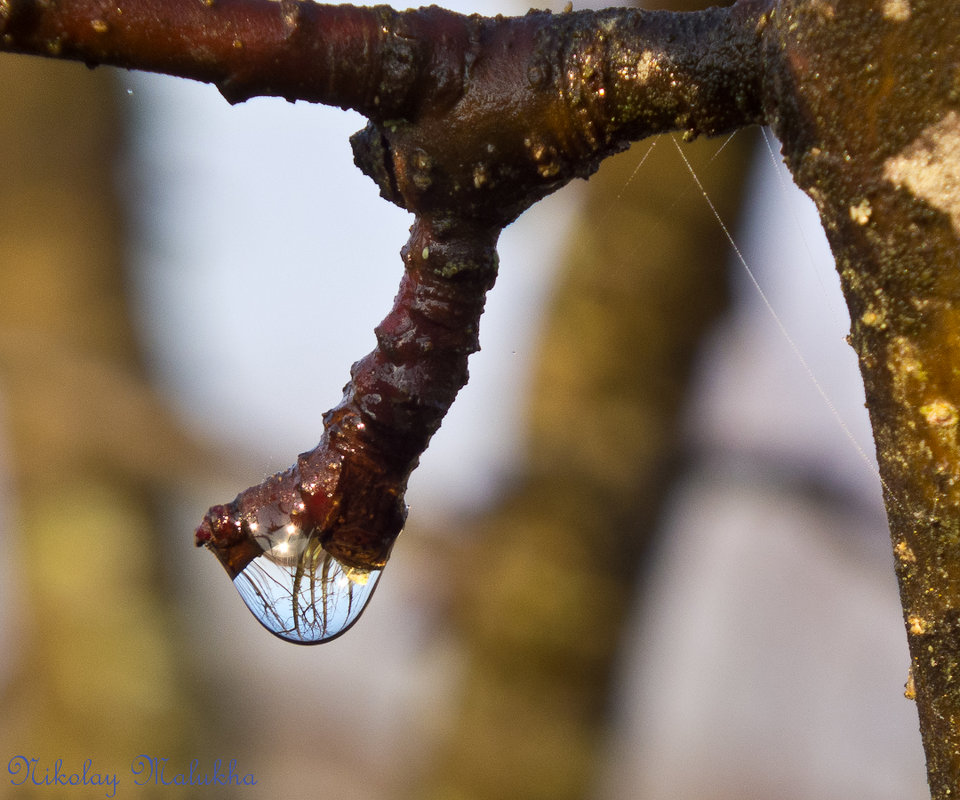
x,y
545,98
490,151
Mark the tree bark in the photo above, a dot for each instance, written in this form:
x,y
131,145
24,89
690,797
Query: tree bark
x,y
866,103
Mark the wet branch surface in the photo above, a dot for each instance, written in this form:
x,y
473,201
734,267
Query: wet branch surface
x,y
472,120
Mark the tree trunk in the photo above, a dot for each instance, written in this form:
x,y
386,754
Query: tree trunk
x,y
868,108
98,655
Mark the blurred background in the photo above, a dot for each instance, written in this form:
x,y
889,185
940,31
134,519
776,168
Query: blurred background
x,y
646,555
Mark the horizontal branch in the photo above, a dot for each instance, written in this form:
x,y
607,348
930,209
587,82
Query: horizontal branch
x,y
336,55
629,72
470,116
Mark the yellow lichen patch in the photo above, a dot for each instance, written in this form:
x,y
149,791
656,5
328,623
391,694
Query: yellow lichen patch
x,y
905,553
940,413
873,319
918,625
860,213
896,10
824,8
910,687
907,371
647,66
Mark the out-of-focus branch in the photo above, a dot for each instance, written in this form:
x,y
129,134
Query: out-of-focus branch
x,y
80,425
555,563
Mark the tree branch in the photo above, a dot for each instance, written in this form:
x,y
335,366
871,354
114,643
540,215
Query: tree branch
x,y
245,47
546,98
506,111
350,487
657,70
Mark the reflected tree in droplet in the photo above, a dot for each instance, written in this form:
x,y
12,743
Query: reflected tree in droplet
x,y
278,548
296,589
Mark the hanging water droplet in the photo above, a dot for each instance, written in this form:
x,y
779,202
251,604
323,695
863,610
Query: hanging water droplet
x,y
301,593
294,587
306,547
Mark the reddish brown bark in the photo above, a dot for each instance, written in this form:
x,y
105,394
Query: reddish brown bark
x,y
509,110
350,488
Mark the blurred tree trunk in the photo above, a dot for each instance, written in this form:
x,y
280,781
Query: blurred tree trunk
x,y
100,661
557,561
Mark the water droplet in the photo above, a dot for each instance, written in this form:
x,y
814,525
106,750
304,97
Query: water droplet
x,y
305,554
300,592
294,587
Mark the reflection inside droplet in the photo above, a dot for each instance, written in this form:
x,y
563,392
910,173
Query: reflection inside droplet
x,y
296,589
